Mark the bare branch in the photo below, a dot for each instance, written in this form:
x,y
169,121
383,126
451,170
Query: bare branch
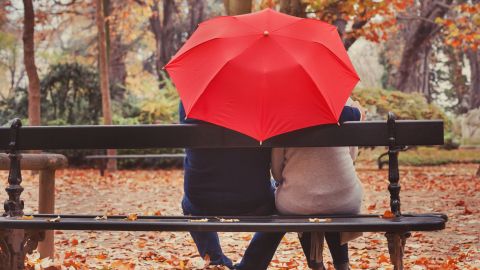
x,y
415,18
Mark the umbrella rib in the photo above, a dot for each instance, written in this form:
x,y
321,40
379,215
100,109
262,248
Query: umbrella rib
x,y
181,56
247,24
329,103
350,72
187,111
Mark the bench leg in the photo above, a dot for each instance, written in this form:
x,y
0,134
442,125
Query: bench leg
x,y
15,244
396,248
46,205
102,165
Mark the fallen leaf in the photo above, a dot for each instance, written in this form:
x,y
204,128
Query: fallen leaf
x,y
74,242
467,211
206,259
199,220
101,256
132,217
318,220
57,219
383,259
388,214
229,220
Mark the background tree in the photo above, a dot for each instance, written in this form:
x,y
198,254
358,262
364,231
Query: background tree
x,y
421,29
103,68
237,7
353,18
29,61
460,31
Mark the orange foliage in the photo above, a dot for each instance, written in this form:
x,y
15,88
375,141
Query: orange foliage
x,y
461,29
377,18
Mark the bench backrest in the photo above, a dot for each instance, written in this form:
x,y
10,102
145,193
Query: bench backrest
x,y
370,133
391,133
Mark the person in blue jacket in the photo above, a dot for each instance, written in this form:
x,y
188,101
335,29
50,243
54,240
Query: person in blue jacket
x,y
233,182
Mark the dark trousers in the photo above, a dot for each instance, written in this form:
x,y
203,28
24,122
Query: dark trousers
x,y
260,250
338,251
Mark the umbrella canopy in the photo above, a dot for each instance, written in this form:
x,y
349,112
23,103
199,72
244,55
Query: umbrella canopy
x,y
264,73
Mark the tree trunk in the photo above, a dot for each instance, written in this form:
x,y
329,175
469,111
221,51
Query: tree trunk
x,y
474,62
419,33
197,14
458,80
165,34
237,7
117,67
104,84
293,7
29,61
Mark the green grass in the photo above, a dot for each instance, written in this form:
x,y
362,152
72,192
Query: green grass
x,y
424,156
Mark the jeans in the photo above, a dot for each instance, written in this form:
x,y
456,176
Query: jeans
x,y
207,243
338,251
259,252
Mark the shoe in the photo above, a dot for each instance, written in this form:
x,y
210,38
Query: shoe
x,y
223,261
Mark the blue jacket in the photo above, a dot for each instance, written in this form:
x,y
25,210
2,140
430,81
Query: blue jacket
x,y
232,181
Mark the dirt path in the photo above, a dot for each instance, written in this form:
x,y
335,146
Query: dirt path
x,y
451,189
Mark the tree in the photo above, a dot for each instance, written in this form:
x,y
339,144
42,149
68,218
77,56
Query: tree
x,y
293,7
460,32
237,7
473,57
123,33
413,72
196,9
357,14
29,61
166,33
103,68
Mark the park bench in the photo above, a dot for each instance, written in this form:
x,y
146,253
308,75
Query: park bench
x,y
46,164
19,235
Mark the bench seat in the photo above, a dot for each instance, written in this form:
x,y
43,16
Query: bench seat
x,y
346,223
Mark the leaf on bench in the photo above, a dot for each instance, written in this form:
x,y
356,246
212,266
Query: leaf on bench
x,y
229,220
57,219
26,217
101,218
132,217
199,220
318,220
388,214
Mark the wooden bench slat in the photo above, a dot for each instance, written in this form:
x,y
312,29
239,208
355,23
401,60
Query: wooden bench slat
x,y
361,223
371,133
136,156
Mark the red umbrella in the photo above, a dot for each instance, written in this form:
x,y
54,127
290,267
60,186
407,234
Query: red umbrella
x,y
263,74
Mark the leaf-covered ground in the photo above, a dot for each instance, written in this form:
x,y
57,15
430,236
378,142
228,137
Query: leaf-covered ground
x,y
452,189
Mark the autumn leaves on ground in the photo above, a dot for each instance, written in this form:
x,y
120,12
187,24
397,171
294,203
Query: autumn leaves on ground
x,y
451,189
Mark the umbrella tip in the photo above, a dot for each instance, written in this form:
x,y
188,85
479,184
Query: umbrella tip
x,y
261,142
338,123
266,33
